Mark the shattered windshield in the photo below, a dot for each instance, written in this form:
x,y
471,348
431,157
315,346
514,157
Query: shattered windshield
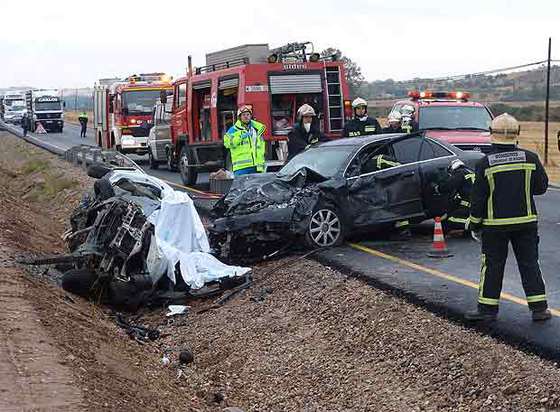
x,y
454,117
326,160
141,101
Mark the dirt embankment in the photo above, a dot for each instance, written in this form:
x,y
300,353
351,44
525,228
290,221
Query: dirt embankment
x,y
303,337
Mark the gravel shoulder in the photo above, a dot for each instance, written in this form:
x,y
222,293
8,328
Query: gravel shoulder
x,y
303,337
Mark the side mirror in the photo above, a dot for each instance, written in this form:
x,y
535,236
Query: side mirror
x,y
163,96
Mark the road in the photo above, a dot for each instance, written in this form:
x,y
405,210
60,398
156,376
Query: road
x,y
450,284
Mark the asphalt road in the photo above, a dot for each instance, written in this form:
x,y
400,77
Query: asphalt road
x,y
450,284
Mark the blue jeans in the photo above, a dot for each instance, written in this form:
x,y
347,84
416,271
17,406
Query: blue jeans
x,y
246,171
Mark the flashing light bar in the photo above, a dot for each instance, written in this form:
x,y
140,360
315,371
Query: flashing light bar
x,y
427,94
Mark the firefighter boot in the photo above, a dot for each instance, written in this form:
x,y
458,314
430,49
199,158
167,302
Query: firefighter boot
x,y
541,315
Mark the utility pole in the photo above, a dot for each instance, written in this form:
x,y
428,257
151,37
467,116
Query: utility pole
x,y
546,105
76,101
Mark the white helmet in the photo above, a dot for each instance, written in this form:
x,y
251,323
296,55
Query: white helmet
x,y
359,102
504,129
394,117
305,110
244,109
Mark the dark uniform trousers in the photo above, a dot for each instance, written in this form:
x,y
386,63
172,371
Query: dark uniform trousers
x,y
494,254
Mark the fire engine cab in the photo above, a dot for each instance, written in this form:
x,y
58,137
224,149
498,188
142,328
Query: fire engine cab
x,y
449,116
273,82
122,110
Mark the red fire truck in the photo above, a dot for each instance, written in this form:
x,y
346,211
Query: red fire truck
x,y
122,110
274,82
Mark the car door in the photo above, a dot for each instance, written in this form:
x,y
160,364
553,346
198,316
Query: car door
x,y
390,194
434,159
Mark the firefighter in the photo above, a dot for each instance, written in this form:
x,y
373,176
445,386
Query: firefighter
x,y
83,119
305,132
503,211
393,123
458,186
246,144
361,124
24,124
408,124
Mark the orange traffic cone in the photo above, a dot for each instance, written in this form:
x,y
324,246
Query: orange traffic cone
x,y
439,247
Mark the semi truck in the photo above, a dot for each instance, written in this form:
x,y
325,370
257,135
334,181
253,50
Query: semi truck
x,y
45,108
122,110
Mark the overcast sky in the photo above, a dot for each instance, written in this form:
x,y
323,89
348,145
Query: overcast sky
x,y
72,43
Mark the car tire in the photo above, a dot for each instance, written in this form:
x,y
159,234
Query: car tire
x,y
326,227
79,281
188,174
154,164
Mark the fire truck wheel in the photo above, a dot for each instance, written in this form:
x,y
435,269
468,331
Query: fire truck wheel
x,y
153,163
188,174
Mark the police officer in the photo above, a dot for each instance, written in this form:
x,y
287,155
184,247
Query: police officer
x,y
83,119
361,124
458,186
304,133
503,209
246,143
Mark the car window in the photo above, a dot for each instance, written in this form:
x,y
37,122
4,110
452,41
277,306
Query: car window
x,y
432,150
408,150
439,150
324,160
182,94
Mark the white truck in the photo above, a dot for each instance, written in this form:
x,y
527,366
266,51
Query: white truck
x,y
45,107
13,107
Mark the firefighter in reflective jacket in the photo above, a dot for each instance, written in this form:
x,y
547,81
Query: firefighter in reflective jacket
x,y
458,185
246,143
503,209
361,124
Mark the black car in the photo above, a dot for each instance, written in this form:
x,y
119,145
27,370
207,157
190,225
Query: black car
x,y
334,189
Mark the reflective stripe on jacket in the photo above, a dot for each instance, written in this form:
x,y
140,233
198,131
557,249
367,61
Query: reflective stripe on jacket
x,y
239,141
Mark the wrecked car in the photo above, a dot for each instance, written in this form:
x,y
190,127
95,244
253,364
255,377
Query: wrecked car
x,y
334,189
135,240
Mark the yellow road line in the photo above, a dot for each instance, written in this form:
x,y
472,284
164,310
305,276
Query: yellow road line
x,y
439,274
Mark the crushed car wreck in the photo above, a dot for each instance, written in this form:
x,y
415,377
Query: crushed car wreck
x,y
331,190
136,241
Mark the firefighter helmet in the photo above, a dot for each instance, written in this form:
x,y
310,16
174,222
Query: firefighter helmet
x,y
305,110
394,117
359,102
244,109
504,129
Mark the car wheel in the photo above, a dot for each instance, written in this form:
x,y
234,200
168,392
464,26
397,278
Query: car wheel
x,y
79,281
188,173
326,227
153,163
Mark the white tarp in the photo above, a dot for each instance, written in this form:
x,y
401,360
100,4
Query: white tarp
x,y
179,238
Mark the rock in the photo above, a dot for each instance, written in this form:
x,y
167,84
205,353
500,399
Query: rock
x,y
186,357
233,409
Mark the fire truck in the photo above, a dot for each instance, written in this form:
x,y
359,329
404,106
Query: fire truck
x,y
275,83
122,110
449,116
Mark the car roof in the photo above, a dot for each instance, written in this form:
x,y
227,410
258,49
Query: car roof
x,y
448,103
362,140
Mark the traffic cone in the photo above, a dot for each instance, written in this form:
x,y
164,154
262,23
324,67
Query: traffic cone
x,y
40,129
439,247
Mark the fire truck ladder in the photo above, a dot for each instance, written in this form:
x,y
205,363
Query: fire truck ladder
x,y
334,96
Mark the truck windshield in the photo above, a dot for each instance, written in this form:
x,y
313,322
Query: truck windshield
x,y
454,117
44,106
10,103
140,101
326,161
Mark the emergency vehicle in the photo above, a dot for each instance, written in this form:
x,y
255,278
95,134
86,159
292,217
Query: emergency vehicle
x,y
122,110
448,116
273,82
12,106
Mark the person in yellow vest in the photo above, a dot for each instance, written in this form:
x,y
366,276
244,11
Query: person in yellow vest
x,y
83,119
245,141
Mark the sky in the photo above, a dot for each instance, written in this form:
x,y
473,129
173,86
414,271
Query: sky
x,y
72,44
